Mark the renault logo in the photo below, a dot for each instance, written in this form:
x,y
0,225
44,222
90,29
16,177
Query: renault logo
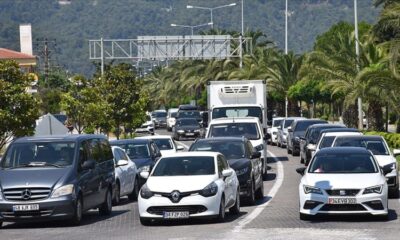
x,y
175,196
26,194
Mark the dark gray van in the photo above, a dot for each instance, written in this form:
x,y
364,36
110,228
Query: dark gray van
x,y
56,177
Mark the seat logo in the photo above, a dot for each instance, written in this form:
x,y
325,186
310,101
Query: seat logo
x,y
175,196
26,194
342,192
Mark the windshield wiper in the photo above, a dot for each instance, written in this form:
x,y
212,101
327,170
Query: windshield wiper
x,y
36,164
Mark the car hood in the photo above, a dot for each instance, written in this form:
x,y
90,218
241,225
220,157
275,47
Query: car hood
x,y
238,164
384,159
32,177
180,183
187,127
348,181
140,162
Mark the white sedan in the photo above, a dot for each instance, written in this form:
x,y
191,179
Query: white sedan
x,y
165,143
125,176
343,181
189,185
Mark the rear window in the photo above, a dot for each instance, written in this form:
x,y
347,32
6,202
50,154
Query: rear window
x,y
276,123
303,125
377,147
287,123
248,130
189,114
163,144
135,151
343,163
230,149
326,142
185,166
187,122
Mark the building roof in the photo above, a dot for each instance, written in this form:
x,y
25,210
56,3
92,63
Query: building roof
x,y
11,54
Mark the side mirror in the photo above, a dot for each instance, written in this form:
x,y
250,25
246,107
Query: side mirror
x,y
312,147
396,152
179,148
144,174
386,170
255,155
89,164
122,163
301,170
227,173
289,129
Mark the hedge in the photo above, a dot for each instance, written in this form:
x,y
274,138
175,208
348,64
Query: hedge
x,y
392,139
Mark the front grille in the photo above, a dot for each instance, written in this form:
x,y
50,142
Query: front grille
x,y
342,192
26,194
192,209
343,207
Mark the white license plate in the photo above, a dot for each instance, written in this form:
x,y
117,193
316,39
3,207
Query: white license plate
x,y
342,201
31,207
176,215
189,134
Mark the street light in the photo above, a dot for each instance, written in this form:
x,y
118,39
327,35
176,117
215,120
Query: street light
x,y
192,27
211,9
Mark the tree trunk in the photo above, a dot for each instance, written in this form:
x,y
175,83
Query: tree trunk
x,y
350,117
293,108
375,116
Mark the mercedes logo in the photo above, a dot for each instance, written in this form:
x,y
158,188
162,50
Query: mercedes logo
x,y
175,195
26,194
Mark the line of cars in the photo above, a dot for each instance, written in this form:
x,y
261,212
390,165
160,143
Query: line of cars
x,y
345,171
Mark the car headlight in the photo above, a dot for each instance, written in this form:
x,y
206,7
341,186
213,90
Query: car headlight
x,y
242,171
311,189
391,166
259,147
144,169
63,191
374,189
145,192
273,133
210,190
181,131
197,130
297,139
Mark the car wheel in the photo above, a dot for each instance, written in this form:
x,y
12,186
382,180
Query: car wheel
x,y
278,144
288,150
169,129
252,196
265,172
117,197
394,192
301,159
106,207
235,209
295,153
221,214
305,217
145,221
135,192
260,191
1,224
78,212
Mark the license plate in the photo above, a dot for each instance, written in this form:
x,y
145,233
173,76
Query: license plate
x,y
189,134
342,201
175,215
31,207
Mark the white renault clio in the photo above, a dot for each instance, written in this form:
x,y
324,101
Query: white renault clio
x,y
189,185
343,180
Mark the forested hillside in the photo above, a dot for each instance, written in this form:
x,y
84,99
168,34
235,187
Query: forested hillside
x,y
74,24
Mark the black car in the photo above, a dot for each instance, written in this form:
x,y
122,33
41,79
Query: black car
x,y
143,152
57,177
243,158
159,118
297,130
311,137
187,127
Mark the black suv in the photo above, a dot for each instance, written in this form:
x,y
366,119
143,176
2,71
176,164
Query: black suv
x,y
243,158
297,131
57,177
311,137
187,128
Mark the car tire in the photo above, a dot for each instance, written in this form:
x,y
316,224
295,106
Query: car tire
x,y
117,197
305,217
260,192
288,150
295,153
1,224
221,214
265,172
278,144
383,217
301,159
251,199
106,207
394,192
169,129
78,212
135,192
235,209
145,221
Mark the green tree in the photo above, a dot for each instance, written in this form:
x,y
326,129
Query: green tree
x,y
18,109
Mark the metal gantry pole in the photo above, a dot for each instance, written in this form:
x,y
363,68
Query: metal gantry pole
x,y
286,52
212,20
359,100
102,56
242,19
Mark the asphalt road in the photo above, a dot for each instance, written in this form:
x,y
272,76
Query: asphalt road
x,y
274,217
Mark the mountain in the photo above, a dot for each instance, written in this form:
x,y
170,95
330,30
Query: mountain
x,y
71,23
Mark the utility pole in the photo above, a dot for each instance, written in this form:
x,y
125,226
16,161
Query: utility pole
x,y
286,52
359,100
43,47
241,40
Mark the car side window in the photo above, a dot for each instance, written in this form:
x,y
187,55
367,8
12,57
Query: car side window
x,y
117,155
83,152
94,151
154,149
122,155
105,149
220,166
250,148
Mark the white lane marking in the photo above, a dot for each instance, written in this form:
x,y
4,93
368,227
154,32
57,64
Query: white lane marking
x,y
274,190
184,145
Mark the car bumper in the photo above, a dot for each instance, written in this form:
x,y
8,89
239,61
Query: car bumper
x,y
375,204
57,208
197,205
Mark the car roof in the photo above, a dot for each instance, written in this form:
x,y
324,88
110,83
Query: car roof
x,y
326,125
294,118
236,119
154,137
343,150
366,137
329,130
195,154
220,139
134,140
51,138
310,120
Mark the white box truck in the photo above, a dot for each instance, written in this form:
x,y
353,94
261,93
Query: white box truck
x,y
237,99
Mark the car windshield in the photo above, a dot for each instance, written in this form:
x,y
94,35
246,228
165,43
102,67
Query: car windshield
x,y
288,122
231,149
276,123
187,122
173,115
32,154
326,141
185,166
377,147
163,144
248,130
189,114
237,112
303,125
135,151
343,163
159,114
